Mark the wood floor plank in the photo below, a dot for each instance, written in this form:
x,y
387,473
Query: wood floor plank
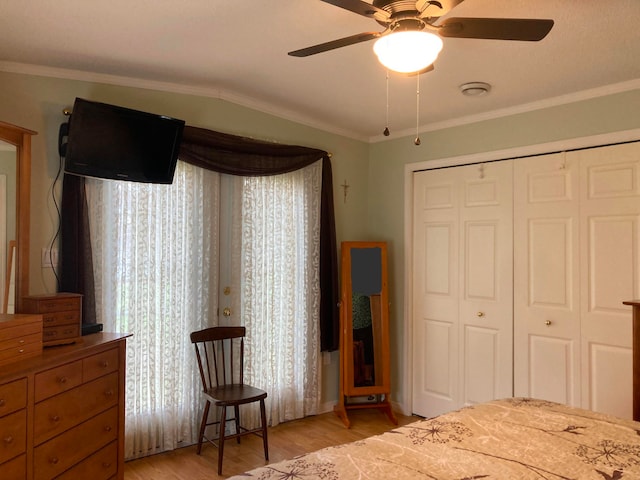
x,y
286,440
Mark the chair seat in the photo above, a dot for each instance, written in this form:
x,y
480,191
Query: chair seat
x,y
236,394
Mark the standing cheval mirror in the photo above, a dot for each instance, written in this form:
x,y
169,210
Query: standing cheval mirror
x,y
364,330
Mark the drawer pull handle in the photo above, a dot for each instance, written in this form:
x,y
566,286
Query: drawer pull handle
x,y
2,402
55,418
62,380
106,464
21,350
53,460
8,440
21,341
107,428
104,364
108,393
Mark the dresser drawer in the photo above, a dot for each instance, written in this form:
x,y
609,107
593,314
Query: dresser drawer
x,y
102,465
58,380
15,469
61,332
13,396
53,303
100,364
64,411
13,435
31,348
73,446
54,319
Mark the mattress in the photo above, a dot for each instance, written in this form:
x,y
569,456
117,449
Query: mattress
x,y
516,438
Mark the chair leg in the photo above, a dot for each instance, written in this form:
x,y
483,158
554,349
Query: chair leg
x,y
203,425
223,418
263,417
237,414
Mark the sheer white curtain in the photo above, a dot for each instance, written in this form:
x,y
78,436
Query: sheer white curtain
x,y
152,249
281,289
156,254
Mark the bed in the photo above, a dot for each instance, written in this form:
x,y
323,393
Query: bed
x,y
517,438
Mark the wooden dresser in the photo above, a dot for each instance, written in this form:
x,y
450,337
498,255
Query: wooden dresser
x,y
62,412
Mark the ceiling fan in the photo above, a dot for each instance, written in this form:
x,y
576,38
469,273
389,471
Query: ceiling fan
x,y
410,22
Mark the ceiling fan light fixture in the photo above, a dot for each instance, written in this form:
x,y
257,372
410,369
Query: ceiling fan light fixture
x,y
408,51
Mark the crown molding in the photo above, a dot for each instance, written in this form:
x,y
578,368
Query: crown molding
x,y
517,109
271,109
207,92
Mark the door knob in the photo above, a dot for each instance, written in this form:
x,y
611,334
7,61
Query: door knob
x,y
547,323
226,312
480,314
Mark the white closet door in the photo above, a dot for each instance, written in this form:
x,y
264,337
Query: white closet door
x,y
486,282
435,292
610,259
546,275
463,287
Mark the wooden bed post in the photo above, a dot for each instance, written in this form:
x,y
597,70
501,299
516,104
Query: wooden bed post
x,y
636,357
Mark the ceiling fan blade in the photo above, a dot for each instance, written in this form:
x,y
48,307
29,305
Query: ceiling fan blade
x,y
525,29
357,6
435,8
342,42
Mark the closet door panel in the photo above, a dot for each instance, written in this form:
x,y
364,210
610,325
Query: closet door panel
x,y
486,283
559,382
435,293
610,378
481,377
610,255
546,275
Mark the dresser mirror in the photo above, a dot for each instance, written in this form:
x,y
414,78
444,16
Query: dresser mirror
x,y
15,155
364,329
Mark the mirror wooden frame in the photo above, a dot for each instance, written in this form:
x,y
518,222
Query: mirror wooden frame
x,y
378,390
21,139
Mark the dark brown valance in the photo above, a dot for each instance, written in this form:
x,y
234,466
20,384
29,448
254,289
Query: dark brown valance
x,y
243,156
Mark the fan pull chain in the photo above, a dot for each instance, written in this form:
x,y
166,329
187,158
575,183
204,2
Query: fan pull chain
x,y
386,129
417,140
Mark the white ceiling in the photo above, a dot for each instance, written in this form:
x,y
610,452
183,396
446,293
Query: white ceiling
x,y
237,50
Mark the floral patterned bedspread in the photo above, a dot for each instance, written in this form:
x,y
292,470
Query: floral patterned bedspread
x,y
505,439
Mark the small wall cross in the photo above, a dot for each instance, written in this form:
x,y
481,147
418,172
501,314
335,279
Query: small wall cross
x,y
345,187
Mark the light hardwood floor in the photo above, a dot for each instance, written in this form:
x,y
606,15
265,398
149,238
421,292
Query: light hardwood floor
x,y
285,441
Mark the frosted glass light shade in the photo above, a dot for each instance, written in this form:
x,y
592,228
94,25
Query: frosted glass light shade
x,y
408,51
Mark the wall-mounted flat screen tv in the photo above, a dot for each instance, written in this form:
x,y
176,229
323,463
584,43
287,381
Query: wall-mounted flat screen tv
x,y
108,141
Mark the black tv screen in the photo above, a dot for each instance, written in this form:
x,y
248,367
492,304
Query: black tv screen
x,y
108,141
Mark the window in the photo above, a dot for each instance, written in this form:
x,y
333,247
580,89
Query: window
x,y
156,257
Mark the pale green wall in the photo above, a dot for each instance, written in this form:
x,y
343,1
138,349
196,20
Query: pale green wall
x,y
37,102
607,114
374,209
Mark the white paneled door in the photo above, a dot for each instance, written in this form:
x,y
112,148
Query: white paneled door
x,y
463,287
546,260
610,262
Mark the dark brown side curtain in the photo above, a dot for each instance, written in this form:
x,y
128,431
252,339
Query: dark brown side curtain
x,y
222,153
76,273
